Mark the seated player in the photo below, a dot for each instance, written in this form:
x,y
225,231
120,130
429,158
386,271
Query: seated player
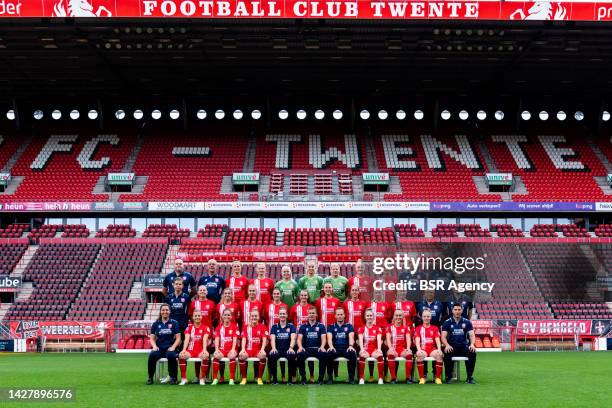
x,y
197,337
226,303
254,341
458,339
370,346
272,309
311,340
341,343
165,337
204,305
226,345
427,340
283,338
354,308
247,306
399,341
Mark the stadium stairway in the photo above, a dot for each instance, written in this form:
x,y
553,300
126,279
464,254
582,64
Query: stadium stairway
x,y
136,291
24,261
600,155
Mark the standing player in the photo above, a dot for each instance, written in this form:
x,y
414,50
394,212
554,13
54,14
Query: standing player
x,y
299,311
179,304
164,338
227,304
370,346
311,282
189,282
339,283
362,281
197,339
263,285
226,344
406,306
288,287
272,309
283,338
382,310
204,305
327,305
248,305
213,282
254,341
399,342
458,339
341,343
311,340
238,283
354,309
427,340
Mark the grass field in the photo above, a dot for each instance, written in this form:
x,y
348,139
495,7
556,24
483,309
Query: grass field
x,y
504,379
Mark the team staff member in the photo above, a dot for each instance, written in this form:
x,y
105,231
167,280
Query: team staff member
x,y
197,339
466,307
288,287
427,340
213,282
311,340
254,342
458,340
341,342
238,283
283,338
189,283
339,283
179,304
399,342
165,338
435,307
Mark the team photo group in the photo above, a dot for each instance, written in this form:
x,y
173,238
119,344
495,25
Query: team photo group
x,y
333,321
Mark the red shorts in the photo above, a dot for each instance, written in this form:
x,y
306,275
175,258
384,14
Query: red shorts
x,y
225,352
400,350
252,353
428,351
195,353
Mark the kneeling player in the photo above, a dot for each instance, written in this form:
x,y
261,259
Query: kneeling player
x,y
196,340
427,340
254,342
399,342
370,346
226,343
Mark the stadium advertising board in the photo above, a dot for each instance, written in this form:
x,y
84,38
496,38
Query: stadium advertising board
x,y
245,179
508,10
5,178
9,284
61,330
375,178
499,179
153,283
120,179
553,327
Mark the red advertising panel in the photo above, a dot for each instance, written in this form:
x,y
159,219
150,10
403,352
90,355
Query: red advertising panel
x,y
553,327
329,9
61,330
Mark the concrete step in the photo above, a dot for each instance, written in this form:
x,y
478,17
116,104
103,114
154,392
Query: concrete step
x,y
152,311
24,261
25,292
136,291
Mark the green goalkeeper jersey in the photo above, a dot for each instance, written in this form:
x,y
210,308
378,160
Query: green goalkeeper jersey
x,y
340,285
312,285
289,291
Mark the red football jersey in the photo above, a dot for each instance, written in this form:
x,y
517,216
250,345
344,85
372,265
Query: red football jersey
x,y
369,337
409,309
365,287
226,336
299,314
264,289
381,313
196,338
254,336
246,307
326,307
233,307
207,307
398,336
389,294
354,312
428,336
239,286
271,314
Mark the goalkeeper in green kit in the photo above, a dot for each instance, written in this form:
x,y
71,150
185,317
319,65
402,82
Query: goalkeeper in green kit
x,y
311,282
288,287
339,283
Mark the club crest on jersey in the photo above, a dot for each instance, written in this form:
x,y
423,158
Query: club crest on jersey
x,y
346,329
316,329
463,326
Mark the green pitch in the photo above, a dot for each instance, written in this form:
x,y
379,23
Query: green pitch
x,y
504,379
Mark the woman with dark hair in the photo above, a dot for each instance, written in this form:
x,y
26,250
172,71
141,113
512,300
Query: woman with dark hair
x,y
165,337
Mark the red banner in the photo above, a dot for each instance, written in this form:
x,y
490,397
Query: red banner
x,y
329,9
61,330
553,327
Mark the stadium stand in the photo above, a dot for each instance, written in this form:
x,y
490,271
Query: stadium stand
x,y
311,236
116,231
251,236
14,231
172,232
75,231
369,236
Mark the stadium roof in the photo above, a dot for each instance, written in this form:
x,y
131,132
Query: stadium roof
x,y
308,59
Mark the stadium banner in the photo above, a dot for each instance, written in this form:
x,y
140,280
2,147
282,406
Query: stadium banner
x,y
301,206
176,206
513,206
553,327
8,284
240,179
60,330
603,207
601,328
499,179
153,283
49,206
508,10
5,178
120,179
375,179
